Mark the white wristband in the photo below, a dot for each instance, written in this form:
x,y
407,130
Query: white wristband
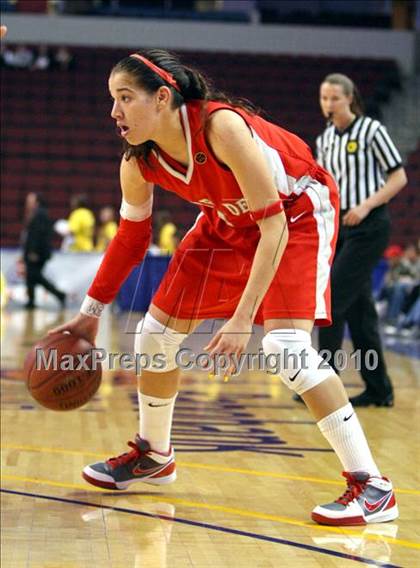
x,y
136,212
92,307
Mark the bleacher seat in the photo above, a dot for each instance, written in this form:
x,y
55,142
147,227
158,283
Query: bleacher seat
x,y
405,207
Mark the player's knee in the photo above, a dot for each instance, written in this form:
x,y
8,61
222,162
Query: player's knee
x,y
158,343
300,366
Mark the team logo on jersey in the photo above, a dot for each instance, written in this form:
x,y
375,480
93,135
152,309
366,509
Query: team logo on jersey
x,y
200,158
352,146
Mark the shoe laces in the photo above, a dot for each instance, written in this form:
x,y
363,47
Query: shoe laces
x,y
354,488
126,457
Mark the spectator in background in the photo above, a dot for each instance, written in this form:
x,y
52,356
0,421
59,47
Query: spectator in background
x,y
22,57
42,59
63,59
36,240
167,233
392,256
3,290
410,264
402,277
19,57
409,325
81,225
107,228
61,227
7,56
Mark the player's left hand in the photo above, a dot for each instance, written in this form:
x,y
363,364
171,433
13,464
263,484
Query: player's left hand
x,y
231,339
356,215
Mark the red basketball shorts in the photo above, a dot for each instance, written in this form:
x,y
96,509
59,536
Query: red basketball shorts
x,y
209,270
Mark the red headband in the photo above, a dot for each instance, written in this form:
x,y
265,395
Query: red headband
x,y
168,77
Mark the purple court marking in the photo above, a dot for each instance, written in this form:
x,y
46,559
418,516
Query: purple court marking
x,y
207,526
198,425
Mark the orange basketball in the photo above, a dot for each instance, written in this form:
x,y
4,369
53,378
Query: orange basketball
x,y
61,373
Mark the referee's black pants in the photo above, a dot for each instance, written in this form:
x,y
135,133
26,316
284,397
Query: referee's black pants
x,y
359,248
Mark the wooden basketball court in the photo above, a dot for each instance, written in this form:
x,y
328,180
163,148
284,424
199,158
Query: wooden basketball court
x,y
251,466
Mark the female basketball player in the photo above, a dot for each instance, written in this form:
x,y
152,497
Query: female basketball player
x,y
260,251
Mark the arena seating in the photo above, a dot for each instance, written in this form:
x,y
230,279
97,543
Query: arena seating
x,y
58,137
405,208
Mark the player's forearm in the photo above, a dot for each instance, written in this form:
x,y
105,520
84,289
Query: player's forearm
x,y
270,249
126,250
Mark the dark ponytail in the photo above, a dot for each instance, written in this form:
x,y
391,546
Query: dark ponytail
x,y
192,84
357,106
349,88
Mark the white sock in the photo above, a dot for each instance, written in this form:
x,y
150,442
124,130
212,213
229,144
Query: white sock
x,y
343,431
156,421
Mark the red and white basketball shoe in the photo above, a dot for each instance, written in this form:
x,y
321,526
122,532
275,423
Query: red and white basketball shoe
x,y
141,464
366,500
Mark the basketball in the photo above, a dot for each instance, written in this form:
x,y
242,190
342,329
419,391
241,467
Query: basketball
x,y
60,373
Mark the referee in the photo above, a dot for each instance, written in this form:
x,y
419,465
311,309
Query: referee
x,y
359,153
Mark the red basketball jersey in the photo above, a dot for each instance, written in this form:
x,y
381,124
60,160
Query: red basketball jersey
x,y
212,186
211,266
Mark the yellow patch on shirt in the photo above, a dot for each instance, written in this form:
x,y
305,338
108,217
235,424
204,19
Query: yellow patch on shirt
x,y
352,146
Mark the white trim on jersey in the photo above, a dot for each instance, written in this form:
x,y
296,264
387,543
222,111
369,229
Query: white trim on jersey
x,y
275,164
324,214
284,183
197,219
186,178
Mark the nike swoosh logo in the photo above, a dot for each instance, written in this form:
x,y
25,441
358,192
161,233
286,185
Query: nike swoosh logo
x,y
157,405
294,376
348,417
138,471
294,219
372,507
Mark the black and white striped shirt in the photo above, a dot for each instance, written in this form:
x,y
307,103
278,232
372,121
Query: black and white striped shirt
x,y
357,157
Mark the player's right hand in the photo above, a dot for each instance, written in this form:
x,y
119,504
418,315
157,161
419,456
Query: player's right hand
x,y
81,326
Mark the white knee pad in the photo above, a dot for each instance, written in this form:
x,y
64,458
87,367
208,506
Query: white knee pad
x,y
300,366
157,345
